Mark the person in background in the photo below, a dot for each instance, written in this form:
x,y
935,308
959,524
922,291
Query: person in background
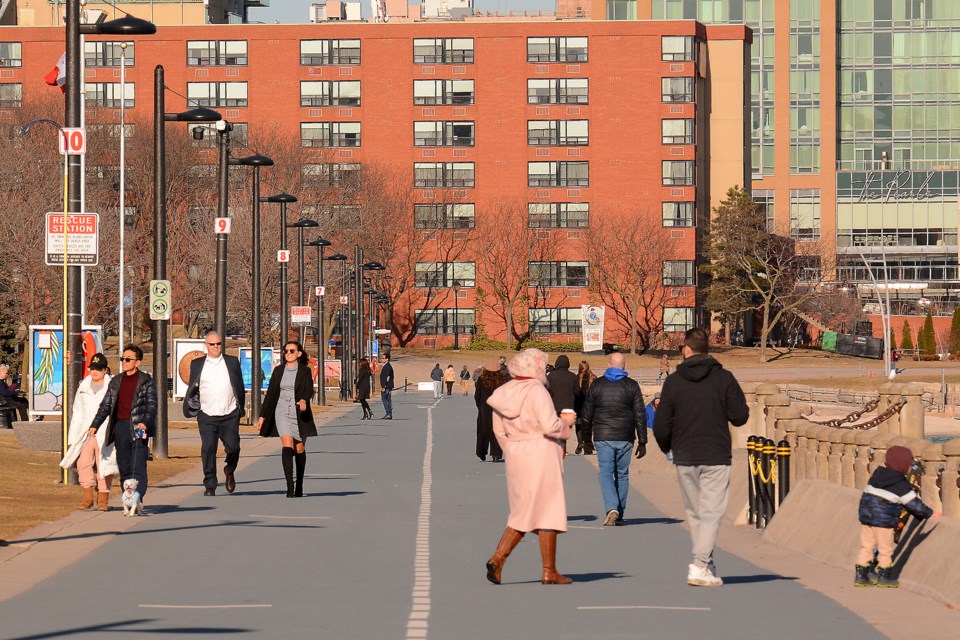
x,y
585,378
437,376
8,391
96,461
286,413
364,375
503,365
531,434
487,383
449,377
386,386
562,384
652,409
464,380
664,368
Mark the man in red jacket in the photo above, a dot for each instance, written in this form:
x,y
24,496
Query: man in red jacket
x,y
697,402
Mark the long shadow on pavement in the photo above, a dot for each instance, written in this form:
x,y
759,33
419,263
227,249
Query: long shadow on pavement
x,y
114,627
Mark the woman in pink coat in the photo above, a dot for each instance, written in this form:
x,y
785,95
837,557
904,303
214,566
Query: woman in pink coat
x,y
531,435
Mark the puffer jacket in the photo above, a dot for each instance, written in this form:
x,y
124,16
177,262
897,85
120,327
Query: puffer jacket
x,y
563,385
614,410
888,492
143,409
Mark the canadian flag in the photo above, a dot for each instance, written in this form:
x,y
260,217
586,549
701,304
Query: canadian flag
x,y
58,75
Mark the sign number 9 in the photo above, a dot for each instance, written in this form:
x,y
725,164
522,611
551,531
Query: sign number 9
x,y
221,225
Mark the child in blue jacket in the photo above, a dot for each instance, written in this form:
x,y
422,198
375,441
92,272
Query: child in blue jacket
x,y
887,492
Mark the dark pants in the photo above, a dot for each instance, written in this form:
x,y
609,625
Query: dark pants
x,y
387,402
131,455
449,388
21,406
226,429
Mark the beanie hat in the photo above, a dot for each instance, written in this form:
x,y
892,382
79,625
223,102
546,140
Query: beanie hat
x,y
899,459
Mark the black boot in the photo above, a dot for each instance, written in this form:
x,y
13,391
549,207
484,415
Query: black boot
x,y
886,577
286,457
862,577
301,459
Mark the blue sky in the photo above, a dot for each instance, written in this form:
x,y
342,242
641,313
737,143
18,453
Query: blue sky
x,y
294,11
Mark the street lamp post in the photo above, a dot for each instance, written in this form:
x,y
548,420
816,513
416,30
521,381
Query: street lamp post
x,y
284,199
160,118
223,211
320,243
300,226
72,323
256,378
456,315
339,257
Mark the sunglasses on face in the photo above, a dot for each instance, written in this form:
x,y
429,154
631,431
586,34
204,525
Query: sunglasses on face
x,y
291,351
214,344
128,359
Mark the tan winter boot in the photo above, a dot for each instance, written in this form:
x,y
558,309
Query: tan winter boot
x,y
510,539
548,554
87,500
103,497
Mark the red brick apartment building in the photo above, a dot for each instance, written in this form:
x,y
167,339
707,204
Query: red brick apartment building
x,y
639,122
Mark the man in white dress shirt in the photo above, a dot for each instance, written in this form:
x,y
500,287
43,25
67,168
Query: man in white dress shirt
x,y
215,396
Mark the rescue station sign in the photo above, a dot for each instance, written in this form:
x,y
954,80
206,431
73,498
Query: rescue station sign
x,y
83,239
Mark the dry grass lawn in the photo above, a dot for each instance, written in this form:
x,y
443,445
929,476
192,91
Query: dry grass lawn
x,y
30,492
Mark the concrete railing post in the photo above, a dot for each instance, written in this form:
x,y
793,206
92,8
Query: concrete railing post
x,y
861,465
950,480
758,417
823,452
835,457
848,442
790,434
887,397
800,451
775,403
933,459
911,416
782,417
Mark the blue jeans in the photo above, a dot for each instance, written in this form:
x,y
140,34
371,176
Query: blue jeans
x,y
614,459
387,402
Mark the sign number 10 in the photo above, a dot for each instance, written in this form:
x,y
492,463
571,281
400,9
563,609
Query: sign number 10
x,y
221,225
73,142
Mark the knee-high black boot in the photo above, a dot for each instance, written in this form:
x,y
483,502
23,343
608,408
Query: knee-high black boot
x,y
286,456
301,459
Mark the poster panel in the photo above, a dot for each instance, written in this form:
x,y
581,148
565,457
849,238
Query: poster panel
x,y
592,326
331,373
267,358
185,350
45,380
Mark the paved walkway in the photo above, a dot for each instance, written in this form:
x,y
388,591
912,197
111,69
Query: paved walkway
x,y
390,542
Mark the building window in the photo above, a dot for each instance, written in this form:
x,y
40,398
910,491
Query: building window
x,y
677,90
562,49
558,132
330,134
444,216
10,54
11,96
110,130
549,321
676,48
106,54
677,319
237,135
765,199
558,174
443,51
339,175
559,274
217,94
678,172
557,90
443,174
805,214
558,215
678,273
804,156
329,52
431,92
326,93
678,131
678,214
621,9
443,134
808,269
441,275
106,95
437,322
216,53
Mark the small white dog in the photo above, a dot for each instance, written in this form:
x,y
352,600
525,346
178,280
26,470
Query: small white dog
x,y
132,505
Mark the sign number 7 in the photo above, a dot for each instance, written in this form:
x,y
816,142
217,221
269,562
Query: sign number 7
x,y
221,225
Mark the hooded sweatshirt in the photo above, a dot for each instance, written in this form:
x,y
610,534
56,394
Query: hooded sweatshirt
x,y
696,403
563,385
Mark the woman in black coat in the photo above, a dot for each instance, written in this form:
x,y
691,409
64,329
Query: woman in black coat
x,y
286,412
488,381
363,388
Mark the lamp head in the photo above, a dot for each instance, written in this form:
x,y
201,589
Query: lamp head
x,y
198,133
223,125
256,160
319,242
336,256
303,223
125,26
456,286
373,265
200,114
284,198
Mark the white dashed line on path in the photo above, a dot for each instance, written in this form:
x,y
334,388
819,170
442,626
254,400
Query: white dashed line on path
x,y
205,606
420,609
644,606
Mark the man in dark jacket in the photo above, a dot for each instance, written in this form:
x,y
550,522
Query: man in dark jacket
x,y
697,402
131,405
563,386
386,386
437,376
614,417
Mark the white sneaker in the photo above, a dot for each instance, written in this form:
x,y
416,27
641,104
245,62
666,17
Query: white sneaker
x,y
611,519
702,577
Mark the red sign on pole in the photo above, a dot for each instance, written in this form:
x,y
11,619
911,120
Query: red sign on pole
x,y
301,315
73,142
83,234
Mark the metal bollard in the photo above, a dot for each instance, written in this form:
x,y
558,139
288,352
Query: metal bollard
x,y
769,480
751,479
405,383
783,470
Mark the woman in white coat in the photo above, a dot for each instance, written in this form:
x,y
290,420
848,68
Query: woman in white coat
x,y
96,463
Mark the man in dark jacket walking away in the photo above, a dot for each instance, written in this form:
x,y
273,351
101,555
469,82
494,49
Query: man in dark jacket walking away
x,y
613,417
697,402
386,386
563,386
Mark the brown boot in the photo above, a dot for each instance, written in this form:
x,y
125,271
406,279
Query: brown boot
x,y
87,500
103,497
510,539
548,553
